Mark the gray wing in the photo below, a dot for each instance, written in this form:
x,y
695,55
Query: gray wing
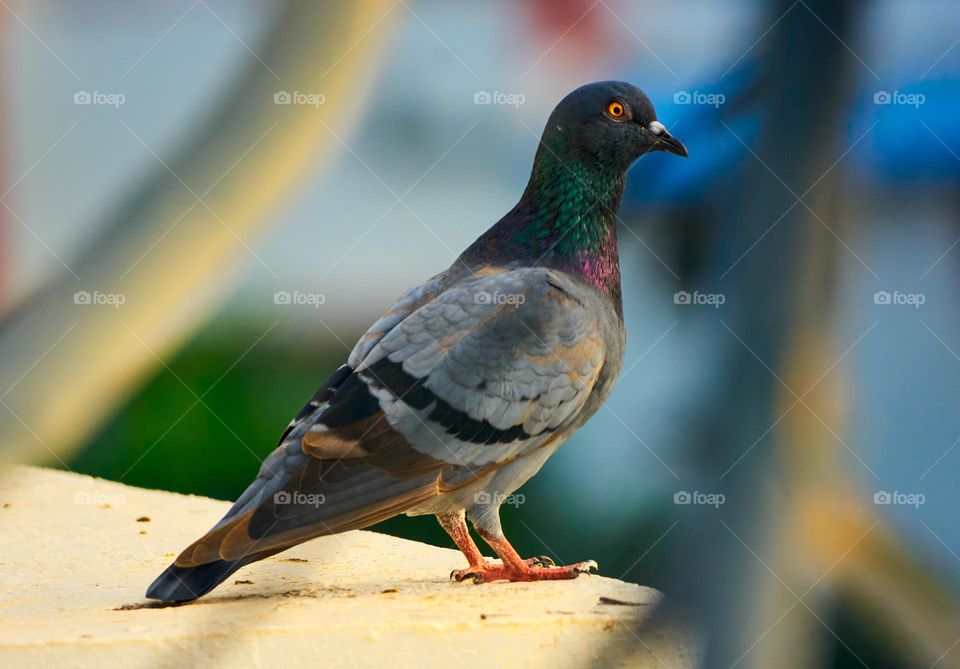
x,y
489,369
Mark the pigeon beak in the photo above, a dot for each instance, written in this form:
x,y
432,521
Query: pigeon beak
x,y
664,141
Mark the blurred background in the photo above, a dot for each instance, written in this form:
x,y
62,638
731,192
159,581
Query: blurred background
x,y
205,203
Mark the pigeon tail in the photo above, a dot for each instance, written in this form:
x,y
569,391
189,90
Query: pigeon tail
x,y
184,584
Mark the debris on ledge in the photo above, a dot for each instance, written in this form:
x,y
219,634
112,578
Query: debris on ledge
x,y
77,554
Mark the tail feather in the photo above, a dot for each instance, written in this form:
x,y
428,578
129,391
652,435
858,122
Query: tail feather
x,y
354,469
359,495
184,584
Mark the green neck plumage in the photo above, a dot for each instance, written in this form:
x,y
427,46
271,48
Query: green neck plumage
x,y
569,207
567,218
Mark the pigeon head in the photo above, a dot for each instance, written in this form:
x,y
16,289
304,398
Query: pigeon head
x,y
610,123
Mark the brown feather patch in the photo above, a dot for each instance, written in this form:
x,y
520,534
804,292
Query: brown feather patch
x,y
232,541
376,442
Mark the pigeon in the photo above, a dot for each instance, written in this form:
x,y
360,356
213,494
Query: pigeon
x,y
460,392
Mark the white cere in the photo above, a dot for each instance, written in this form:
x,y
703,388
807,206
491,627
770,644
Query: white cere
x,y
656,127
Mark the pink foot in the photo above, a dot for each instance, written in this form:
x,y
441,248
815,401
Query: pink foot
x,y
532,569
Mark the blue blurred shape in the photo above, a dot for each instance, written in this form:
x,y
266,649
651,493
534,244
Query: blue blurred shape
x,y
915,134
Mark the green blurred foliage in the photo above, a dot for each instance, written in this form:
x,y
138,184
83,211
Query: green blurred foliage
x,y
203,424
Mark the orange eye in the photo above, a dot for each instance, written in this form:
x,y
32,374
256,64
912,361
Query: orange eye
x,y
615,109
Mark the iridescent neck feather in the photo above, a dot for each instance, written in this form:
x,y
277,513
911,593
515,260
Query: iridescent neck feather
x,y
565,219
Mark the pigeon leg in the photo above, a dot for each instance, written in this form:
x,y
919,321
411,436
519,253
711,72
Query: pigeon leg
x,y
515,568
456,527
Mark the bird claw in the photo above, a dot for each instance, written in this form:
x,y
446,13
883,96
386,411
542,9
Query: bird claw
x,y
585,567
474,573
540,561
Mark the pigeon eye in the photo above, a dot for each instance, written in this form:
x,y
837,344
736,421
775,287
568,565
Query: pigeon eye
x,y
615,109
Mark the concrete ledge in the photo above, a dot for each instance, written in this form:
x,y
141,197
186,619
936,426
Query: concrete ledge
x,y
77,554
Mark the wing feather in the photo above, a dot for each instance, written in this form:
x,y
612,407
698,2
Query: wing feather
x,y
504,359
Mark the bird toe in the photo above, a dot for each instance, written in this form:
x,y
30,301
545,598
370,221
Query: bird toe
x,y
586,567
